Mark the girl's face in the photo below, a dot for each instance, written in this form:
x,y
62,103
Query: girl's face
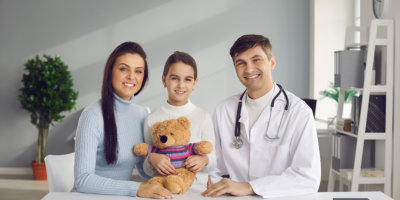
x,y
127,75
180,83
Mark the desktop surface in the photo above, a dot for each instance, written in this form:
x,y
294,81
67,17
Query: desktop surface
x,y
196,196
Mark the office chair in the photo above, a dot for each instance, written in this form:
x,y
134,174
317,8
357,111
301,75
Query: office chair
x,y
312,103
60,172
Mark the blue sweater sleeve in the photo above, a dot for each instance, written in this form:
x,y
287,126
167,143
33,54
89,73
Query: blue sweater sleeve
x,y
89,135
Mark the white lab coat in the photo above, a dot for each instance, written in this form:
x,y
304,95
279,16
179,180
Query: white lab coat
x,y
281,167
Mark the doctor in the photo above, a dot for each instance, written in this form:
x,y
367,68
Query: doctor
x,y
274,150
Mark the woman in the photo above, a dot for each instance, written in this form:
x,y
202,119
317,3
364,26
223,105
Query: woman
x,y
179,78
110,127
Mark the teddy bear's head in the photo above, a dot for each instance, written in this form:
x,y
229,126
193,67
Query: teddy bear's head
x,y
171,132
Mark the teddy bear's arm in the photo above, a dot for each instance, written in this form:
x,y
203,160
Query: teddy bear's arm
x,y
141,149
204,147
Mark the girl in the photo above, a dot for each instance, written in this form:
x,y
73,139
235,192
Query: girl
x,y
110,127
180,78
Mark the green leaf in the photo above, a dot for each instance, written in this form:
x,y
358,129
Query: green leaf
x,y
333,93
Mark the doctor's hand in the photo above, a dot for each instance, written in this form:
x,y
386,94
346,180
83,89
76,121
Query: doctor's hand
x,y
161,163
227,186
153,191
196,163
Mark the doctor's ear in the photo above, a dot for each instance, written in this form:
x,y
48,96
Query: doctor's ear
x,y
272,62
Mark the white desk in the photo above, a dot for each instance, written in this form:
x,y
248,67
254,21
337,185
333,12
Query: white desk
x,y
197,196
324,133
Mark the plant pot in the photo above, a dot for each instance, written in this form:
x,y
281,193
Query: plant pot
x,y
39,170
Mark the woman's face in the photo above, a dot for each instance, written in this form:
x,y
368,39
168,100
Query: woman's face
x,y
127,75
180,83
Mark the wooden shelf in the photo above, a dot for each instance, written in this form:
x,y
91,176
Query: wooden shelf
x,y
367,136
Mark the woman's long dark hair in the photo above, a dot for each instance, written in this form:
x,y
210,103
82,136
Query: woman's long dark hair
x,y
107,97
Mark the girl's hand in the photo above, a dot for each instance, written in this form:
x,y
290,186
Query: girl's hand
x,y
208,182
196,163
161,163
153,191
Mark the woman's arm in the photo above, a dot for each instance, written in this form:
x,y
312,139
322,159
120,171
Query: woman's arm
x,y
88,137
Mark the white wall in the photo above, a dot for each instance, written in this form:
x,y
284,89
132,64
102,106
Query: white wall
x,y
85,32
331,17
327,29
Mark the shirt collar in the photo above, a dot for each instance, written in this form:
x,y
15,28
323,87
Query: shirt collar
x,y
179,110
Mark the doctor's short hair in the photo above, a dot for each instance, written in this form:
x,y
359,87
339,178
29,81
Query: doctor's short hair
x,y
249,41
183,57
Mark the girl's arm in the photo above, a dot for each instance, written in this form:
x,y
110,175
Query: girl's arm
x,y
207,134
204,163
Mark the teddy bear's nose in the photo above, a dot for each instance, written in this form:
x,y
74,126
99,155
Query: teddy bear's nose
x,y
163,139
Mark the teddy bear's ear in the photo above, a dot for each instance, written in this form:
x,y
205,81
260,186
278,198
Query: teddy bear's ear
x,y
184,122
155,127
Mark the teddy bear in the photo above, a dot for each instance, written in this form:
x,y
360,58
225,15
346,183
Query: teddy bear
x,y
171,138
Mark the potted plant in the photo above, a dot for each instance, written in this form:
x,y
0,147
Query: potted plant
x,y
46,93
333,93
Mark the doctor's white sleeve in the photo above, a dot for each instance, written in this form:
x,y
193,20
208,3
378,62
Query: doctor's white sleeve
x,y
303,175
220,169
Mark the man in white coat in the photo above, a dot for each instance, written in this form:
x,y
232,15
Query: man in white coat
x,y
279,155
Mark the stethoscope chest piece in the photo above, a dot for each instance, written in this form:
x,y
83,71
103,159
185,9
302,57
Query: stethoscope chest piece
x,y
237,142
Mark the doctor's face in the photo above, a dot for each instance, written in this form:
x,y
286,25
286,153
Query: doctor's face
x,y
253,68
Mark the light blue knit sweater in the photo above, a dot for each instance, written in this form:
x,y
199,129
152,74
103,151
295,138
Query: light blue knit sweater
x,y
92,173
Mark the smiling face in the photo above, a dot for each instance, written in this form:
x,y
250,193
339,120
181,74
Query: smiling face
x,y
127,75
253,68
179,82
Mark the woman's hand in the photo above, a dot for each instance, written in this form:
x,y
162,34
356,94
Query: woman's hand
x,y
161,163
196,163
153,191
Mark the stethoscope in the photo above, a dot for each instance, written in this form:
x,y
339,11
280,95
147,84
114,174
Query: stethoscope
x,y
237,141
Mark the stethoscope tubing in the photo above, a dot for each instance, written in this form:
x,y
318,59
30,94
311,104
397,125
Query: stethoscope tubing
x,y
237,140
